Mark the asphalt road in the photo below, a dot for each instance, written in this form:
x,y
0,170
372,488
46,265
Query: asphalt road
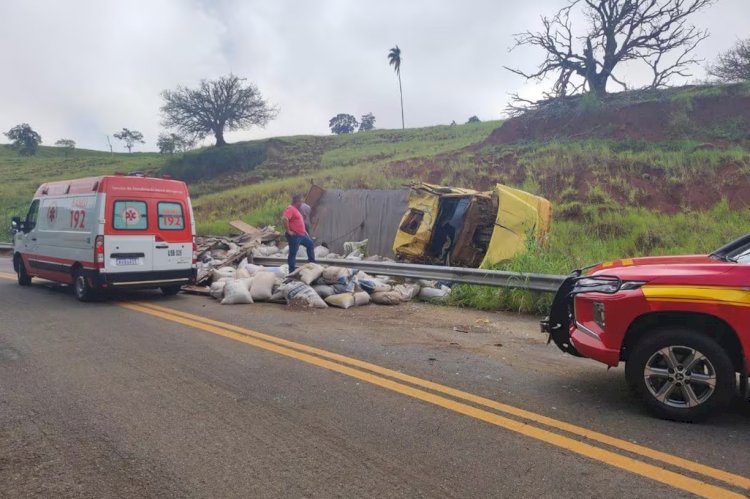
x,y
146,396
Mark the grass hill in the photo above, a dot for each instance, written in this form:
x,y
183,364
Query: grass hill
x,y
638,173
21,175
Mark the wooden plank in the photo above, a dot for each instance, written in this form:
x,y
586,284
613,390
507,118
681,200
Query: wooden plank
x,y
246,228
313,195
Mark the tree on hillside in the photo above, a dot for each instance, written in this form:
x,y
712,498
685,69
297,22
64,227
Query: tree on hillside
x,y
166,144
734,64
342,123
366,122
215,106
24,139
67,144
654,32
394,59
473,119
130,137
169,143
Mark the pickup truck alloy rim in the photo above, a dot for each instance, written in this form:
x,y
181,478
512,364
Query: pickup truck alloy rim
x,y
680,376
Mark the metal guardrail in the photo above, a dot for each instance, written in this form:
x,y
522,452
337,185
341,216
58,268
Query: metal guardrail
x,y
496,278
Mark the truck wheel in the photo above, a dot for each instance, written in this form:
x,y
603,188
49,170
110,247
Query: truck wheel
x,y
81,287
681,374
170,290
23,278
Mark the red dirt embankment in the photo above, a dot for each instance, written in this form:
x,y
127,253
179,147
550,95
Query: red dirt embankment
x,y
676,124
653,121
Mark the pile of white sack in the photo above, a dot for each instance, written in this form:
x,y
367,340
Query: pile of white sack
x,y
218,257
315,286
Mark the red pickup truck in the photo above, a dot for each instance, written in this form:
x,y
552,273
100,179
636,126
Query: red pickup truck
x,y
680,323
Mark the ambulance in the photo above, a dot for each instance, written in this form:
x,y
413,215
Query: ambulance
x,y
108,232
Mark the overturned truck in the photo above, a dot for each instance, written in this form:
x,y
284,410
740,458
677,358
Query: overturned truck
x,y
467,228
431,224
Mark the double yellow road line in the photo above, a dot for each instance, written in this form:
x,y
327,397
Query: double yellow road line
x,y
692,477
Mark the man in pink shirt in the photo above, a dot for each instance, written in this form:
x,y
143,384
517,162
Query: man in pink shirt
x,y
296,234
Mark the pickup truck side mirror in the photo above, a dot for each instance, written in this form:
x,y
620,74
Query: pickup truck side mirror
x,y
15,224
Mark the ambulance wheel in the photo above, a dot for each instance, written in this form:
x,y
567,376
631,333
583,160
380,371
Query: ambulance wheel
x,y
23,278
81,287
170,290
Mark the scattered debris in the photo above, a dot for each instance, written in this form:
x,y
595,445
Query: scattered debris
x,y
226,273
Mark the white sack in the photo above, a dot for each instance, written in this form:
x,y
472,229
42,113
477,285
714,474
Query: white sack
x,y
342,300
387,298
261,288
301,295
308,272
408,291
321,252
217,289
331,275
361,298
235,292
433,293
324,290
223,272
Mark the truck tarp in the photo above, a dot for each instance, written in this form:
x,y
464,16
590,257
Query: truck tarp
x,y
356,214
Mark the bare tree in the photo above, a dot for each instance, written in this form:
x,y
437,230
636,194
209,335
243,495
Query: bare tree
x,y
734,64
617,31
216,105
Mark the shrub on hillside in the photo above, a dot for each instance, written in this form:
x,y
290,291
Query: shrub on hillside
x,y
213,162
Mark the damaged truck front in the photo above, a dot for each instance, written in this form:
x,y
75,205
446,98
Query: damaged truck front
x,y
467,228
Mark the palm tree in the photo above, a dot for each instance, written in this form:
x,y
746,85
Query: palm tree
x,y
394,59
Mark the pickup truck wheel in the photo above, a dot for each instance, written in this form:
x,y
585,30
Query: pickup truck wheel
x,y
681,374
23,277
81,287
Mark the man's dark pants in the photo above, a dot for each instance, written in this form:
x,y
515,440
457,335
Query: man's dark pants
x,y
294,243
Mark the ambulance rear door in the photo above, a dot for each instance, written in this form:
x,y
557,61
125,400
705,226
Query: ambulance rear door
x,y
129,243
173,244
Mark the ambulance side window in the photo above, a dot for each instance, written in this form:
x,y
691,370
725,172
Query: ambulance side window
x,y
170,216
32,215
130,215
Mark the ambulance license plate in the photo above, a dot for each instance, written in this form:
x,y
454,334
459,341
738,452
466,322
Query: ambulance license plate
x,y
127,261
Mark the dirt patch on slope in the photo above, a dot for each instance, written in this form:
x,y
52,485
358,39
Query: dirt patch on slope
x,y
614,174
655,121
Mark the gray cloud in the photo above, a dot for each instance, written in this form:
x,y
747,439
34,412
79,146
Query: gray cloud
x,y
84,69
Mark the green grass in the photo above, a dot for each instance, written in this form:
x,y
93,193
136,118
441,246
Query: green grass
x,y
23,174
614,234
600,188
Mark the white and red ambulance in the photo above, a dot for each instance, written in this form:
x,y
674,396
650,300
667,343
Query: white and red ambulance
x,y
99,233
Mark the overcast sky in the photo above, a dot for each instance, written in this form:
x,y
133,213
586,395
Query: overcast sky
x,y
84,69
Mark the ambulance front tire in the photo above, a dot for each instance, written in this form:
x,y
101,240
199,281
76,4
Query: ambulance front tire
x,y
23,278
170,290
81,287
